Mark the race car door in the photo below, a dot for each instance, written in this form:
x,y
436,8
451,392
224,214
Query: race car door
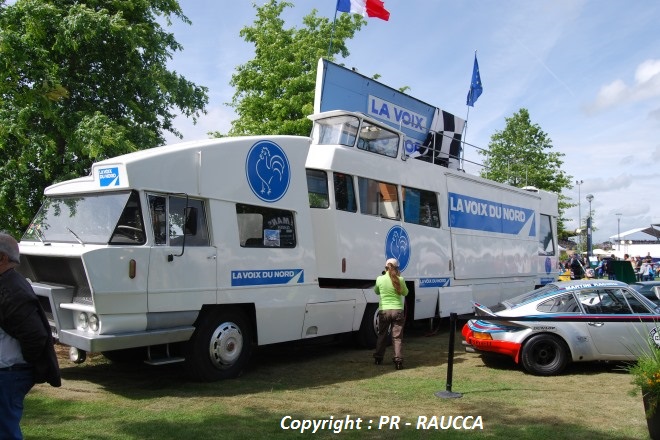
x,y
624,338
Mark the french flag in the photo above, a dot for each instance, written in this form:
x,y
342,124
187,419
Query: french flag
x,y
366,8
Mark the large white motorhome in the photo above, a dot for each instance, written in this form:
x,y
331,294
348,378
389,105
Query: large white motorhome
x,y
196,252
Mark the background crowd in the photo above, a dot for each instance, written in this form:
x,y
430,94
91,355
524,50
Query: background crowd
x,y
579,267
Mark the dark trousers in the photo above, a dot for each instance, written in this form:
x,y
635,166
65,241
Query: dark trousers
x,y
395,319
14,385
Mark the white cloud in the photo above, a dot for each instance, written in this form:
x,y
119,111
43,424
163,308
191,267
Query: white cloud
x,y
646,86
216,119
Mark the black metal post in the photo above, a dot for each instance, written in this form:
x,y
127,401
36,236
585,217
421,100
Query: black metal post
x,y
589,241
448,394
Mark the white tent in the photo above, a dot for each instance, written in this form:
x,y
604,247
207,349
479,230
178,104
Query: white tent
x,y
651,232
639,242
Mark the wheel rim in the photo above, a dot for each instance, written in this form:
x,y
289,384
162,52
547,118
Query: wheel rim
x,y
377,324
226,345
545,354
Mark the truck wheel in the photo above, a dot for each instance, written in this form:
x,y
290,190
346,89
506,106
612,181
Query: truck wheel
x,y
220,347
367,336
544,355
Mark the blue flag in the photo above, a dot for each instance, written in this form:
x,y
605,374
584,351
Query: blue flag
x,y
475,86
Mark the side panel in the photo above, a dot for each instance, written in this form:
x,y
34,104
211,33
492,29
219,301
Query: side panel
x,y
492,293
455,300
328,318
494,230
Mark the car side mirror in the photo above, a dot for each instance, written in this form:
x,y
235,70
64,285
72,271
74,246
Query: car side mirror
x,y
656,290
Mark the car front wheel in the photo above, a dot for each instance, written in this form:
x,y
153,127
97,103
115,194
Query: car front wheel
x,y
544,355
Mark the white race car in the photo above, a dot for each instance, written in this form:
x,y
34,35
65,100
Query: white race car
x,y
582,320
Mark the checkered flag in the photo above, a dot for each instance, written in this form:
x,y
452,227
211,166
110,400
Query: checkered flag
x,y
443,143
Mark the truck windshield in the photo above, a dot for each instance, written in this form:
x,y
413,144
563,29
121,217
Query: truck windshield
x,y
102,218
338,130
345,130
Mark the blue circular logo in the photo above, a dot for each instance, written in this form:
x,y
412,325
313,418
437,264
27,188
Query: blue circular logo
x,y
411,146
397,245
267,170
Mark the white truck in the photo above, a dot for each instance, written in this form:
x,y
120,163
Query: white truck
x,y
199,251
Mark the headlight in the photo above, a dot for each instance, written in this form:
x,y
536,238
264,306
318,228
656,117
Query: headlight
x,y
94,323
82,321
76,355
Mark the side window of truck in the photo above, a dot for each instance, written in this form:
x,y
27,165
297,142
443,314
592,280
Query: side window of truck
x,y
420,207
378,198
378,140
262,227
546,242
174,216
158,212
344,193
317,189
187,217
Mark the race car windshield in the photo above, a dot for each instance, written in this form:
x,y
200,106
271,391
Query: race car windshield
x,y
87,219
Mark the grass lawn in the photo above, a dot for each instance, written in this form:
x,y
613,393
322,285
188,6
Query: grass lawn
x,y
101,400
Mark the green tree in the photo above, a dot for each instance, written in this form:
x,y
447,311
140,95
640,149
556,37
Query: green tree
x,y
82,81
521,155
274,92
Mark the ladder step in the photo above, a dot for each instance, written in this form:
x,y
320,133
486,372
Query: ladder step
x,y
164,361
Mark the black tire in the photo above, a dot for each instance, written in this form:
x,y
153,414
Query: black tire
x,y
220,347
544,355
368,334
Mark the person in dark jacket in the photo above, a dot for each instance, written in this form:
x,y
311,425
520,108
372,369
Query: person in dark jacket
x,y
609,268
577,270
27,354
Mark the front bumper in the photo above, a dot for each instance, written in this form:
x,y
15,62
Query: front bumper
x,y
97,343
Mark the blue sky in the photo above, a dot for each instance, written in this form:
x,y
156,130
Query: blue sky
x,y
587,71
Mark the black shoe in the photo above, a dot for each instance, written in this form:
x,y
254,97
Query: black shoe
x,y
398,365
378,361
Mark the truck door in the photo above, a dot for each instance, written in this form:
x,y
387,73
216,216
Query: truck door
x,y
182,267
430,247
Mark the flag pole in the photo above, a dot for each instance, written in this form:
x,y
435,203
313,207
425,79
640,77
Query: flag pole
x,y
465,127
332,33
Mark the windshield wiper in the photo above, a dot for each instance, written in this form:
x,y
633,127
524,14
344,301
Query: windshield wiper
x,y
75,235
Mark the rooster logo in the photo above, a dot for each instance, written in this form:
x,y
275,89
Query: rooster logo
x,y
269,167
267,170
397,245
